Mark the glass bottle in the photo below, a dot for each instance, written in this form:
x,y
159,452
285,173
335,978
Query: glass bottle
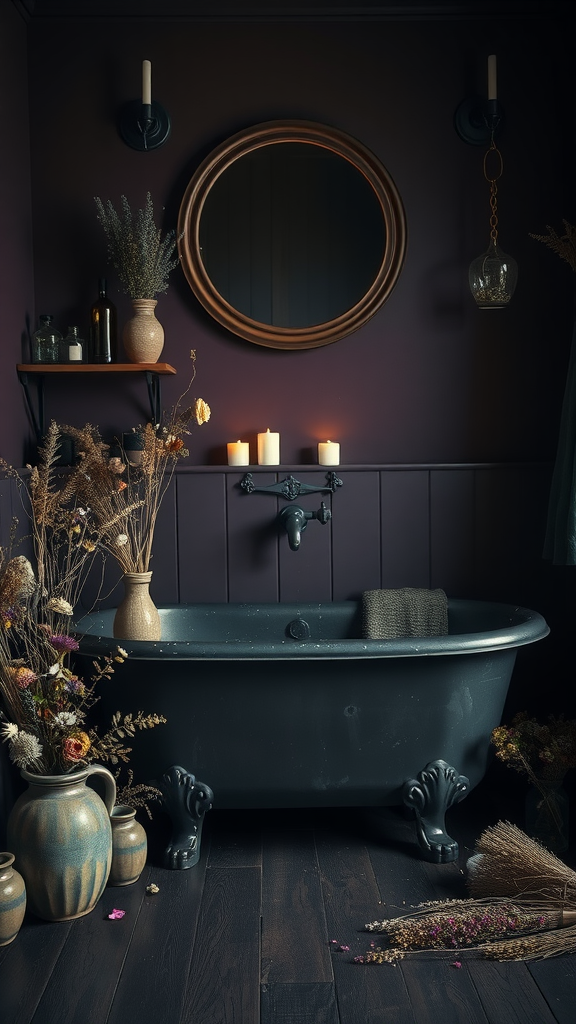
x,y
46,341
103,332
73,346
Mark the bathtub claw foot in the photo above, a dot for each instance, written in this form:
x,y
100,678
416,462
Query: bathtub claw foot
x,y
437,787
186,801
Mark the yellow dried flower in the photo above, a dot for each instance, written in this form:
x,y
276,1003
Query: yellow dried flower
x,y
201,411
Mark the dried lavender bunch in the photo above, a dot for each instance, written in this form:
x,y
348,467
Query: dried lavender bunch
x,y
143,258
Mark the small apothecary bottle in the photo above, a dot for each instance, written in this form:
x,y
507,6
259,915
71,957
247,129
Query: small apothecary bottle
x,y
73,346
46,341
103,329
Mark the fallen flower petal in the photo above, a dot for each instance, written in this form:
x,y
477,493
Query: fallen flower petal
x,y
116,914
152,888
456,964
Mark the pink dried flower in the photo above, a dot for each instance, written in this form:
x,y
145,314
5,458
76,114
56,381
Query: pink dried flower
x,y
116,914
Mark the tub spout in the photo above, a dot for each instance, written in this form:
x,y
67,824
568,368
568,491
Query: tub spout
x,y
294,520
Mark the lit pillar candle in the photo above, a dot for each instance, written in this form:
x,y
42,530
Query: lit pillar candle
x,y
492,78
238,453
328,453
146,82
268,449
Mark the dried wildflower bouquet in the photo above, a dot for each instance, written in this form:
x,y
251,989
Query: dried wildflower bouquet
x,y
44,704
543,751
124,499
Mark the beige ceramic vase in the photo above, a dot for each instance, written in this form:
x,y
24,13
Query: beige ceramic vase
x,y
137,616
143,335
129,846
12,899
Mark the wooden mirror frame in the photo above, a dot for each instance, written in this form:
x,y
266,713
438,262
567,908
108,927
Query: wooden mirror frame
x,y
267,134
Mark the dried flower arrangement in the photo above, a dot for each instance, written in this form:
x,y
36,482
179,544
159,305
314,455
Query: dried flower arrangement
x,y
122,499
143,258
564,245
43,704
137,795
544,751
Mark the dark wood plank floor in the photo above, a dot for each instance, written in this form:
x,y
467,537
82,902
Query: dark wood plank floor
x,y
246,937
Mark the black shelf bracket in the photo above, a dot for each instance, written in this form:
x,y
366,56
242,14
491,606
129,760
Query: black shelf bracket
x,y
36,409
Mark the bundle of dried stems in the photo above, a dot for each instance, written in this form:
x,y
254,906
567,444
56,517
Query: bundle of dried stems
x,y
522,907
122,500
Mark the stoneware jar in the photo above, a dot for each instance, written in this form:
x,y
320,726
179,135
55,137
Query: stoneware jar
x,y
12,899
59,831
136,616
129,846
143,335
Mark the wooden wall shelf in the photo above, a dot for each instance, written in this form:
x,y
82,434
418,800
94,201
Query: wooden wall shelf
x,y
39,371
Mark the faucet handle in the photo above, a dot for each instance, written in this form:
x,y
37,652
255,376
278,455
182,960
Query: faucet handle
x,y
323,515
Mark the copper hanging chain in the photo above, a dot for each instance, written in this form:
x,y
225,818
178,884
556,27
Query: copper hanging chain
x,y
493,150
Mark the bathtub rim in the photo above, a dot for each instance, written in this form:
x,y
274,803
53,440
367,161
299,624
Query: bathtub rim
x,y
529,627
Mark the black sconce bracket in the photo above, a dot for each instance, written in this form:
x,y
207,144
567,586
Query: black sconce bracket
x,y
290,487
477,120
144,126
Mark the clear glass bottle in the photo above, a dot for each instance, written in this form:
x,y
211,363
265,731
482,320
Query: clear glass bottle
x,y
103,331
73,346
46,341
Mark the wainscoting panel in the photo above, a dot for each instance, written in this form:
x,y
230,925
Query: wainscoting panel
x,y
474,530
405,526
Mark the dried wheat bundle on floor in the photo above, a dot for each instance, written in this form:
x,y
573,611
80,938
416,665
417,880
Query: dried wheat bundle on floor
x,y
522,907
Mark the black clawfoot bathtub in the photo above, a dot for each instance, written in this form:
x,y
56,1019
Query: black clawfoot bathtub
x,y
282,705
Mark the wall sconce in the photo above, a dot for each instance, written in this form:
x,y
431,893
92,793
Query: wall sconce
x,y
144,124
493,275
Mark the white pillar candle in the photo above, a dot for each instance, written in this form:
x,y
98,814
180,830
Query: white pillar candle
x,y
238,453
146,82
329,453
492,78
268,449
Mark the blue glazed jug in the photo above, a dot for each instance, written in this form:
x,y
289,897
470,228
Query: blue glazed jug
x,y
59,831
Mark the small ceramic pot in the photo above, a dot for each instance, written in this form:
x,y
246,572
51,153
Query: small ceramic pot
x,y
12,899
129,846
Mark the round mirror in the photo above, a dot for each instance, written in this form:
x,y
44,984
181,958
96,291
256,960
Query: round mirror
x,y
291,234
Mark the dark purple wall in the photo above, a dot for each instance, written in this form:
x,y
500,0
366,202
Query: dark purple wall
x,y
16,270
430,377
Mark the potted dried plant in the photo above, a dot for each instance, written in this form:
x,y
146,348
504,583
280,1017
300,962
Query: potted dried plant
x,y
143,258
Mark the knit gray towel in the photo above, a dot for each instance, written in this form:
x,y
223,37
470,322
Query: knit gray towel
x,y
409,611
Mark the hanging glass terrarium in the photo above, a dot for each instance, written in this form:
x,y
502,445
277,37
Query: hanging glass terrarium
x,y
493,275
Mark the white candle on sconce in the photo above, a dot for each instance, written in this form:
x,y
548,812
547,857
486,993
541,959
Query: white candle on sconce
x,y
238,453
146,82
328,453
269,448
492,78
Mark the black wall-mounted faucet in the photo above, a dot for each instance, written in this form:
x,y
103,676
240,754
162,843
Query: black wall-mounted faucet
x,y
294,520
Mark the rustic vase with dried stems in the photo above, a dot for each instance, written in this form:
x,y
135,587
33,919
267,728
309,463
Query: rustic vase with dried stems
x,y
143,335
137,617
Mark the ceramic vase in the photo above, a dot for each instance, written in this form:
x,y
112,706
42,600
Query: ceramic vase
x,y
547,814
143,335
137,616
59,831
12,899
129,846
